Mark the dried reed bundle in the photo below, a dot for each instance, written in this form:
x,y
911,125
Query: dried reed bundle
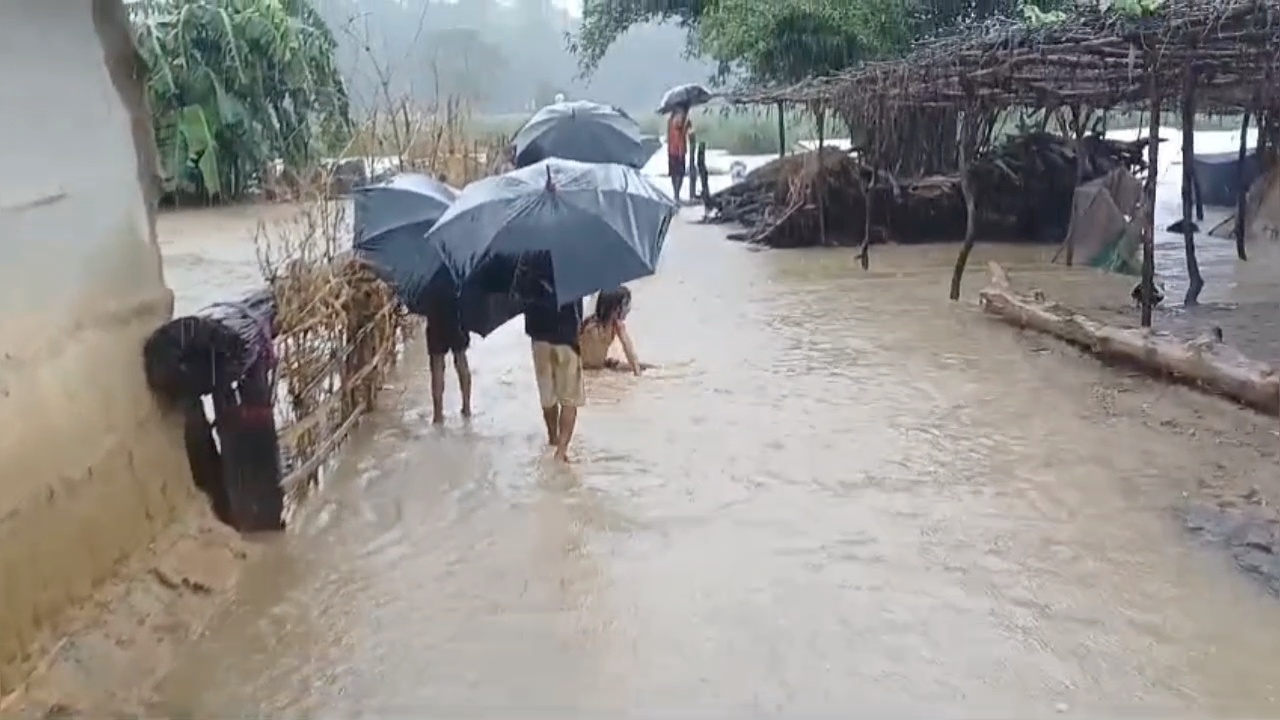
x,y
340,328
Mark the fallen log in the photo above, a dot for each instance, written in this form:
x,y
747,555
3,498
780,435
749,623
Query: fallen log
x,y
1205,363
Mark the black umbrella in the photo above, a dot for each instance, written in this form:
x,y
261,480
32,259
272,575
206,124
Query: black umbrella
x,y
582,131
391,222
573,228
688,95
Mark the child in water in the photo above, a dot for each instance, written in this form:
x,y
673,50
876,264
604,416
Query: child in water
x,y
606,324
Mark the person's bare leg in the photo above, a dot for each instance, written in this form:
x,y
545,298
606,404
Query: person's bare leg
x,y
463,368
568,420
551,416
437,388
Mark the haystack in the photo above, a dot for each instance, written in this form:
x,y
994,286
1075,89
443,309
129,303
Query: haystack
x,y
1023,190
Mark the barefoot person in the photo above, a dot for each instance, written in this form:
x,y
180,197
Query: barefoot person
x,y
446,336
557,366
607,324
678,128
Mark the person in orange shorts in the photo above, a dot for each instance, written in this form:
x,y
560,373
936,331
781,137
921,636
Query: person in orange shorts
x,y
679,128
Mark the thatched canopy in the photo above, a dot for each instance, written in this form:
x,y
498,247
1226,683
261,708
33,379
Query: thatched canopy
x,y
1092,58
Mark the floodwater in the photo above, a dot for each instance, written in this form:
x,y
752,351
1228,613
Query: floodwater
x,y
838,492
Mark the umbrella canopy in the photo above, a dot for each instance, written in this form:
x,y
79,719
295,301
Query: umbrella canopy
x,y
582,131
391,222
690,94
591,226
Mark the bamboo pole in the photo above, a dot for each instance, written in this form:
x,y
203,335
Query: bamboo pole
x,y
782,130
1241,190
1077,128
820,178
1195,281
864,252
1148,227
967,136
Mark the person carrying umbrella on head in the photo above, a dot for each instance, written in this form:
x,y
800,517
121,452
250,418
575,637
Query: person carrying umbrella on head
x,y
679,129
539,239
447,337
391,220
555,333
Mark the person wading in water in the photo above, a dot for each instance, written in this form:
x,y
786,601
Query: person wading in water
x,y
557,366
678,129
606,324
446,336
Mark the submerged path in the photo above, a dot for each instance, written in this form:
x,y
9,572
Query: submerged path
x,y
838,492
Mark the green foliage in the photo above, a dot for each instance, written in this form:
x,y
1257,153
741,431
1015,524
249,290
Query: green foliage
x,y
236,84
1132,8
789,40
604,21
781,40
1033,16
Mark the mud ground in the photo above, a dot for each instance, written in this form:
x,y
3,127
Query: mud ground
x,y
111,650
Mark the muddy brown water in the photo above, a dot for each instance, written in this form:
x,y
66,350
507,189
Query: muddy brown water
x,y
838,492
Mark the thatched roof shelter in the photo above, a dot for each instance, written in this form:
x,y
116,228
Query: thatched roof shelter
x,y
1092,57
1217,56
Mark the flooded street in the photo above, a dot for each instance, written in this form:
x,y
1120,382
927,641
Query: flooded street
x,y
837,491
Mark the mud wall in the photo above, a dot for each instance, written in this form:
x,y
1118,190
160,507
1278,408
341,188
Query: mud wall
x,y
90,471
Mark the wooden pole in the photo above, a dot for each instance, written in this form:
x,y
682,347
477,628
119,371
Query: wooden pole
x,y
1149,202
1077,123
1242,191
782,130
864,252
1195,282
820,178
967,137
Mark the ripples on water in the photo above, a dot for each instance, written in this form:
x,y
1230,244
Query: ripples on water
x,y
837,492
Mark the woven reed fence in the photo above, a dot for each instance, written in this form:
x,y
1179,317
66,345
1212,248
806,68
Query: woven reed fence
x,y
293,367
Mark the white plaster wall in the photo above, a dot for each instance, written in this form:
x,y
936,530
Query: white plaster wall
x,y
89,470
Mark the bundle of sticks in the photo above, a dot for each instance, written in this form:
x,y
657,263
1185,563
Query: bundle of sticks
x,y
1024,190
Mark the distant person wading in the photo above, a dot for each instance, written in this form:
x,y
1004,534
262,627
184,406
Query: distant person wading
x,y
679,127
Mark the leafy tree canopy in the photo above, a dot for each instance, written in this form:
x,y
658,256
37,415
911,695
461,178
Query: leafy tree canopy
x,y
789,40
786,40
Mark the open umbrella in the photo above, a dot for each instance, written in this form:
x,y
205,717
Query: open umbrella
x,y
391,222
594,226
690,94
583,131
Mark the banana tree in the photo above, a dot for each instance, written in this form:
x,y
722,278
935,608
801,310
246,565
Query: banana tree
x,y
235,85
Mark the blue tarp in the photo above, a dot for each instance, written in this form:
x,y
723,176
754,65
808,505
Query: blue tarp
x,y
1218,177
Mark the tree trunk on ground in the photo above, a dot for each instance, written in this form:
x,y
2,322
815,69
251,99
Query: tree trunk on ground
x,y
1205,363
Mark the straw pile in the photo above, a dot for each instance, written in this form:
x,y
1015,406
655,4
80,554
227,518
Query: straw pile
x,y
1023,191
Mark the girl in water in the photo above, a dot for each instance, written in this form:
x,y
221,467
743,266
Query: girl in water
x,y
606,324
